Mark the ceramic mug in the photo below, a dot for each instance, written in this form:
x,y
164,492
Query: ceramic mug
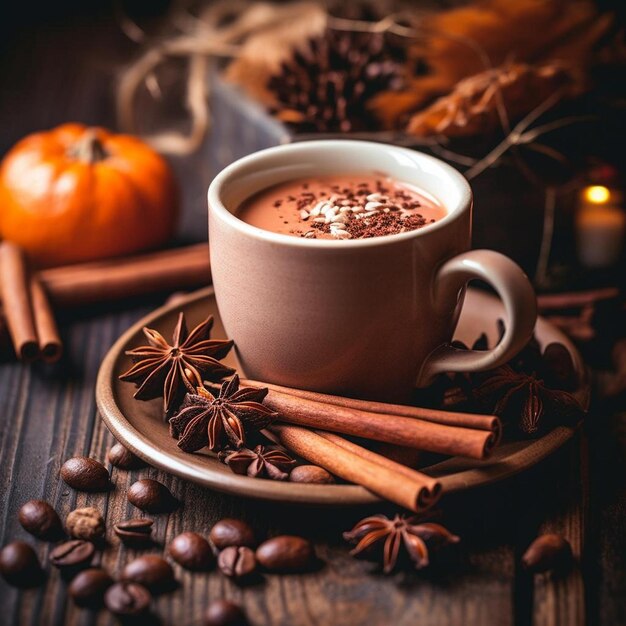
x,y
368,317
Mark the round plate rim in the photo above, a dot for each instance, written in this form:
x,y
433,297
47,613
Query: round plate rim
x,y
346,495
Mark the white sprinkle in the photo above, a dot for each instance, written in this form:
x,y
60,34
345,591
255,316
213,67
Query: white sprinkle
x,y
319,220
386,210
339,225
346,202
374,197
357,209
370,206
304,215
316,210
370,213
309,234
342,234
345,209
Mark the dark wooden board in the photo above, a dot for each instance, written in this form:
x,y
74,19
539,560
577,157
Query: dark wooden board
x,y
66,72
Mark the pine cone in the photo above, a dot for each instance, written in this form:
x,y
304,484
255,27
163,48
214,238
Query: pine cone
x,y
326,85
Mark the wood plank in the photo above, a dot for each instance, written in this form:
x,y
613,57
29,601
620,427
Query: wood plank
x,y
560,599
607,561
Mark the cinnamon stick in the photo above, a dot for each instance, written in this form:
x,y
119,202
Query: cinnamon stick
x,y
575,299
116,279
449,418
431,489
48,339
15,292
406,491
403,431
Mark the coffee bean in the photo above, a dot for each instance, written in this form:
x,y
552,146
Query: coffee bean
x,y
151,571
19,565
191,551
126,599
73,553
285,553
311,474
85,523
237,562
151,496
123,458
88,587
85,474
40,519
135,532
547,552
224,613
232,532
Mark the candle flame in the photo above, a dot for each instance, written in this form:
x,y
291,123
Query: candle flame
x,y
597,194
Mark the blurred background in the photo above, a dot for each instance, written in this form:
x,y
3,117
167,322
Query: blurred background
x,y
525,97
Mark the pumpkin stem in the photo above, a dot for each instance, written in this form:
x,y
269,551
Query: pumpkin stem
x,y
89,148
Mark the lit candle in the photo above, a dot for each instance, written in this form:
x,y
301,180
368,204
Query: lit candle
x,y
600,227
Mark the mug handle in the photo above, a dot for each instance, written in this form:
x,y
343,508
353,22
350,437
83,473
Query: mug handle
x,y
517,295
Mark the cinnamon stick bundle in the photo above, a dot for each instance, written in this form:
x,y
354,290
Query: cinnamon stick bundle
x,y
399,430
449,418
414,492
29,317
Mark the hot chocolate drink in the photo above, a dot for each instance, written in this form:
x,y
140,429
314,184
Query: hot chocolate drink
x,y
351,206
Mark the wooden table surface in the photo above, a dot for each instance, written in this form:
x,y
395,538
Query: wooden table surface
x,y
48,414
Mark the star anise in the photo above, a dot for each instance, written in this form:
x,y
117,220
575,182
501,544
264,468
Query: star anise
x,y
161,369
526,399
390,540
262,462
531,392
205,420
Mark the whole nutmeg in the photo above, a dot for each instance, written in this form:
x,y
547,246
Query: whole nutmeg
x,y
191,551
237,562
224,613
85,474
151,496
151,571
547,552
85,523
88,587
286,553
19,565
232,532
311,474
127,599
40,520
123,458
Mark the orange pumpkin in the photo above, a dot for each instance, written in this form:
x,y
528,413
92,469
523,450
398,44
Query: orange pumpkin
x,y
77,194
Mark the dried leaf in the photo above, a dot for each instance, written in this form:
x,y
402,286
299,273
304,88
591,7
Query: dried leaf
x,y
464,41
472,107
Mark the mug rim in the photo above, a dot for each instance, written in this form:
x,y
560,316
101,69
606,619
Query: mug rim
x,y
222,179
